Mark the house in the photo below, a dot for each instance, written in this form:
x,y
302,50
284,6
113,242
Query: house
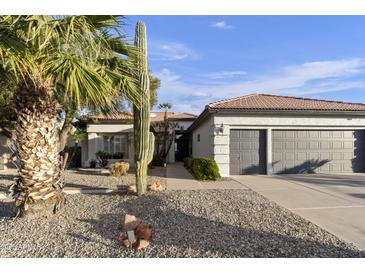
x,y
113,133
269,134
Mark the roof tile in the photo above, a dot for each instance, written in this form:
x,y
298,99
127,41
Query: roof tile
x,y
276,102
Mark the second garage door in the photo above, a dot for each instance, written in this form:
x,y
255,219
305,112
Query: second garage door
x,y
318,151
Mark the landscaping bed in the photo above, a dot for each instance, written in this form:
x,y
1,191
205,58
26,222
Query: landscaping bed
x,y
93,178
209,223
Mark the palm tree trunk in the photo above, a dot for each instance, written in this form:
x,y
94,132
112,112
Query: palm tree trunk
x,y
38,191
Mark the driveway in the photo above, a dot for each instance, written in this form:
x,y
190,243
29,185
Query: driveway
x,y
333,202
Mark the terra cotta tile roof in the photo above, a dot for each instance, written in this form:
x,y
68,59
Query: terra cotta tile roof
x,y
155,116
112,116
275,102
159,116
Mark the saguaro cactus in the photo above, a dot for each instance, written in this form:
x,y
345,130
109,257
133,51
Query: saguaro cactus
x,y
143,138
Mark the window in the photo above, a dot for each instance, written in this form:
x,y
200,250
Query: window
x,y
115,144
198,137
108,141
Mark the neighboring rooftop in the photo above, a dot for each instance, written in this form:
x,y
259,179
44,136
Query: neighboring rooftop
x,y
112,116
159,116
155,116
276,102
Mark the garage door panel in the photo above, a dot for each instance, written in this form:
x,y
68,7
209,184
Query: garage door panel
x,y
325,145
313,156
302,156
301,145
278,145
314,134
289,134
336,156
245,146
318,151
348,144
313,145
348,155
337,134
277,134
301,134
251,149
325,134
336,144
348,134
325,156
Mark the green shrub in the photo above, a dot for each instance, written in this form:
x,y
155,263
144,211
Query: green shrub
x,y
203,168
188,163
92,164
102,158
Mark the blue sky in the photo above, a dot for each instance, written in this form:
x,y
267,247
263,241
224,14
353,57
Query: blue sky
x,y
201,59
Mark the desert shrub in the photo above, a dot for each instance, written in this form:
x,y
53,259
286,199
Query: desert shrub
x,y
119,169
102,158
204,169
92,164
188,162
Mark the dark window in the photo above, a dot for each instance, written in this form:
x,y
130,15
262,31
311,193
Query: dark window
x,y
198,137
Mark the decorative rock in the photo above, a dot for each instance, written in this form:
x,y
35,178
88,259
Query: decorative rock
x,y
130,222
155,186
142,244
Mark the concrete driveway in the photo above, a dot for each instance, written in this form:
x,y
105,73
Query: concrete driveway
x,y
333,202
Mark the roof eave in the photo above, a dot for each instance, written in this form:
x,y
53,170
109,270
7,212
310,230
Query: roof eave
x,y
291,111
205,113
208,110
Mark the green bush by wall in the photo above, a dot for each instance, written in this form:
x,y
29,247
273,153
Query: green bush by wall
x,y
202,168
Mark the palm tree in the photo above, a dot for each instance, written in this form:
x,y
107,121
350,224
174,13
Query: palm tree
x,y
165,138
56,61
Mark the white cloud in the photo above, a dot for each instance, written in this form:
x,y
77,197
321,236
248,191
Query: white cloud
x,y
222,25
166,76
297,80
200,94
170,51
225,74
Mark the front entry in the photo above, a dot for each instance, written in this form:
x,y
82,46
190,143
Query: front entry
x,y
247,151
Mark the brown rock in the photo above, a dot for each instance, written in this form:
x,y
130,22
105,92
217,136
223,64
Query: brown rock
x,y
142,244
126,243
130,222
155,186
132,189
144,232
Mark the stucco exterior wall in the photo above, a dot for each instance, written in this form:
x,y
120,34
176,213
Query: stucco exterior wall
x,y
94,140
220,141
204,147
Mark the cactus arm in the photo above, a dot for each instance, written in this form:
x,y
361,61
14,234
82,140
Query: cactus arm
x,y
151,147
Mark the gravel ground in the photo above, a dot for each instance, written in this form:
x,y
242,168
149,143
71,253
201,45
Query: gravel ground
x,y
93,178
210,223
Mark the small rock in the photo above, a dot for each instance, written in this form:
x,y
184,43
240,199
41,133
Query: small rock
x,y
130,222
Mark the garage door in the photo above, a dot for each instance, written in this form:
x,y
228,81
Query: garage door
x,y
318,151
247,152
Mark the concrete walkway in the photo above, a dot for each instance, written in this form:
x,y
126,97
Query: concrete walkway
x,y
326,200
178,178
